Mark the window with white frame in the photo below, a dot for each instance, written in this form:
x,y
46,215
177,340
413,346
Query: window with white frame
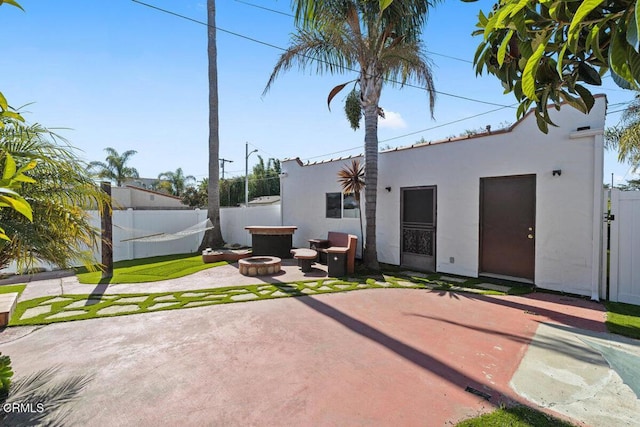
x,y
341,205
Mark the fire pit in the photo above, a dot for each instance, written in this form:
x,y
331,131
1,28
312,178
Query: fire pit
x,y
259,265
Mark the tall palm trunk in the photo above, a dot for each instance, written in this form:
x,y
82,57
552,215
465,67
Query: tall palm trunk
x,y
213,238
371,86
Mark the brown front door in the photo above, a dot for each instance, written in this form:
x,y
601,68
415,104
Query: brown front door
x,y
507,226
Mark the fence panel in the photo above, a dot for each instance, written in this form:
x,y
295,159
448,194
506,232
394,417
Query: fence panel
x,y
233,221
624,275
131,223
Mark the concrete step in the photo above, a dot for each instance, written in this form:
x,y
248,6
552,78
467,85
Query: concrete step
x,y
8,304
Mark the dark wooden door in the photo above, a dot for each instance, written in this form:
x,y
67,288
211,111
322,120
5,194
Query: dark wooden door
x,y
507,226
418,234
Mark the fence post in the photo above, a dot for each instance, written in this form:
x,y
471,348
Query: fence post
x,y
106,226
614,248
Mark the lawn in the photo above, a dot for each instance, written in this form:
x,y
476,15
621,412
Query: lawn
x,y
149,269
623,319
515,416
8,289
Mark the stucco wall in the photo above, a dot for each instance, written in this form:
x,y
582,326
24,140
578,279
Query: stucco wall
x,y
128,197
567,206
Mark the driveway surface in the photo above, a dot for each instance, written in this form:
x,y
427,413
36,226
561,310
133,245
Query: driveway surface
x,y
372,357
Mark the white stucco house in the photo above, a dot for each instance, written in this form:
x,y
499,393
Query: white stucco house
x,y
514,204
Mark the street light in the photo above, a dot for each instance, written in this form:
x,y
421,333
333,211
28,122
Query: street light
x,y
246,173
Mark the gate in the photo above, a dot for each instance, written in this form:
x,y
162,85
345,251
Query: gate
x,y
624,269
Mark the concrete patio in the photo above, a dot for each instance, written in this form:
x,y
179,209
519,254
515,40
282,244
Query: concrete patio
x,y
371,357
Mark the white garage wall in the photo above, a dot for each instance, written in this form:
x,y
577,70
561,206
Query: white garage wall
x,y
568,207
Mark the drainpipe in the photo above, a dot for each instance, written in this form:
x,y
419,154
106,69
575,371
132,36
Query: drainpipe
x,y
283,175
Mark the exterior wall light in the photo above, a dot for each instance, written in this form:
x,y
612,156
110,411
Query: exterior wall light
x,y
557,172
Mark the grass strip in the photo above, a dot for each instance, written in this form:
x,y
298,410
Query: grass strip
x,y
515,416
623,319
62,308
149,269
8,289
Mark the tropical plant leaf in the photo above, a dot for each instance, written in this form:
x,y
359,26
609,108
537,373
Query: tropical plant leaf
x,y
8,191
574,29
588,74
586,96
637,17
542,124
576,103
18,204
560,63
12,3
502,50
334,92
618,56
621,82
633,61
529,73
385,4
9,167
3,102
632,32
595,43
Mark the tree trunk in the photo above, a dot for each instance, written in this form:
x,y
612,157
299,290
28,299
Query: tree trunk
x,y
371,87
213,238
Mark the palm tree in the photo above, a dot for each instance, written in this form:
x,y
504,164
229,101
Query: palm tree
x,y
177,181
383,46
352,180
115,168
213,237
59,191
626,136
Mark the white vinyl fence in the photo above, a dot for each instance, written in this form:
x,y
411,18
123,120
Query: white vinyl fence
x,y
134,223
624,273
131,223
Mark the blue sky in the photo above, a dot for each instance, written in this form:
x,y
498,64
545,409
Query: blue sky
x,y
119,74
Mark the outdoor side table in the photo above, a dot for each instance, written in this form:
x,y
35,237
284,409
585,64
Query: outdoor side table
x,y
305,258
337,261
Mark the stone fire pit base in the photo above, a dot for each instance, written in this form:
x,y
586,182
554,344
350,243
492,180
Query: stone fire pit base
x,y
259,265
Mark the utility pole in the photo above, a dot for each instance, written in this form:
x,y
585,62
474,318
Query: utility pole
x,y
222,162
246,173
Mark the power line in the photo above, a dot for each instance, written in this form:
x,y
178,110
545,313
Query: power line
x,y
412,133
309,57
273,156
292,16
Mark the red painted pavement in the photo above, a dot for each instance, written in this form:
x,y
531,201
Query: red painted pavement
x,y
383,357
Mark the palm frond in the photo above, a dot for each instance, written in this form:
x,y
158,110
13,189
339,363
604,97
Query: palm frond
x,y
330,51
41,387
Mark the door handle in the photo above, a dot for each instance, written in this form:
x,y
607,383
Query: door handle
x,y
530,236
